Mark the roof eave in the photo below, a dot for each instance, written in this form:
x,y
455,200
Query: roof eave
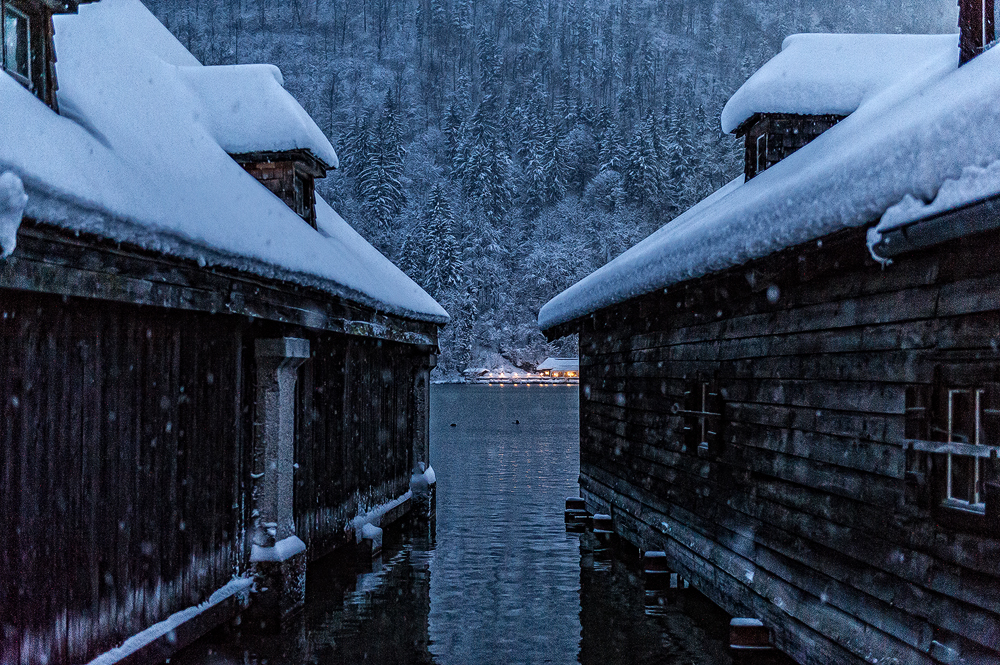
x,y
974,217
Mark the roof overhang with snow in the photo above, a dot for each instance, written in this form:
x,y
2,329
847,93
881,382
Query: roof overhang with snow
x,y
832,74
929,127
139,156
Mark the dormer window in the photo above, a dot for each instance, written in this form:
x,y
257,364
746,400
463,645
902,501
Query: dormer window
x,y
761,156
770,137
290,175
16,44
27,52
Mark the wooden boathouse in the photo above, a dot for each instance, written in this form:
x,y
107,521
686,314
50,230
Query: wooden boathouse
x,y
208,378
793,389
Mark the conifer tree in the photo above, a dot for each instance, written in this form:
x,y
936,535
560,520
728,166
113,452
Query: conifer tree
x,y
379,182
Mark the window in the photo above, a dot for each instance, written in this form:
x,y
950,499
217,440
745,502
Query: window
x,y
703,415
17,44
963,477
953,437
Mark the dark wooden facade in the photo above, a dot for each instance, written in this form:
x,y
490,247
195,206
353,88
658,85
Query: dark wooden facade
x,y
127,432
770,137
759,426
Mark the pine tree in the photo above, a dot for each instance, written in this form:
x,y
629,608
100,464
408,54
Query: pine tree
x,y
442,267
379,182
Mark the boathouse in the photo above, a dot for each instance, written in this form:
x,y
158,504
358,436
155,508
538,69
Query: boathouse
x,y
792,388
209,378
559,367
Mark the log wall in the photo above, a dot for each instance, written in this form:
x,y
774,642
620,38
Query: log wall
x,y
801,516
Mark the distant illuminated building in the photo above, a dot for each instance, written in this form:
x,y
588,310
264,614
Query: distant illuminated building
x,y
560,367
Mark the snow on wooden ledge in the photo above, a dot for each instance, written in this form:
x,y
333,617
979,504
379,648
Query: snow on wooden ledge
x,y
282,550
140,640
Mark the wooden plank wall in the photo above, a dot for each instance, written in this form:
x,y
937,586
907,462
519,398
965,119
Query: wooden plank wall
x,y
124,441
120,436
801,518
356,448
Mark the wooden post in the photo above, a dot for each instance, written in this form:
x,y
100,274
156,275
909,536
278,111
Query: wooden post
x,y
423,491
278,557
656,571
575,513
604,529
749,640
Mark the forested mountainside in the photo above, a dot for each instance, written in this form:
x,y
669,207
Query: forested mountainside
x,y
500,150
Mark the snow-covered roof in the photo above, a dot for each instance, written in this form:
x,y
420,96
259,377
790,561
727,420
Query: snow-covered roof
x,y
240,104
907,140
832,74
559,365
135,157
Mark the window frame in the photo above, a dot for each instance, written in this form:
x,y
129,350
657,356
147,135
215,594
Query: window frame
x,y
703,415
975,493
933,447
26,80
761,154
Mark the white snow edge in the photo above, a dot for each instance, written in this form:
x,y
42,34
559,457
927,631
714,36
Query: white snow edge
x,y
375,515
975,183
158,630
12,203
282,550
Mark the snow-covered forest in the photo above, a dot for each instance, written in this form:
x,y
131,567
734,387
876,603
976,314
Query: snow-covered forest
x,y
500,150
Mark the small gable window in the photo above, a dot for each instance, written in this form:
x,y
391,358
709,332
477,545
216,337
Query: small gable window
x,y
26,45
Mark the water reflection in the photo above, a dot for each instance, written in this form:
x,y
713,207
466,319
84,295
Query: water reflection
x,y
505,576
499,580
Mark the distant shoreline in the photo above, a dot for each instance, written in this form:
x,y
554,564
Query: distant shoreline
x,y
511,381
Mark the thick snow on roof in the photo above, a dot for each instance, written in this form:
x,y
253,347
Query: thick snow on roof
x,y
241,103
975,184
560,365
820,74
133,159
361,267
908,140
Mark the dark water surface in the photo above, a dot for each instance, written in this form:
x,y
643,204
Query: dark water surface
x,y
497,580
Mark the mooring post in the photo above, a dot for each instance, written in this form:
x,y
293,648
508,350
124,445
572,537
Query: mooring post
x,y
575,514
655,570
278,557
604,529
749,641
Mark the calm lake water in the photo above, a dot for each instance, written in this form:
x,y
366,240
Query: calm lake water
x,y
496,579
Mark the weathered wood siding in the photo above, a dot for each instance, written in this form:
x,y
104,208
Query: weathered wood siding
x,y
121,438
801,516
355,448
125,435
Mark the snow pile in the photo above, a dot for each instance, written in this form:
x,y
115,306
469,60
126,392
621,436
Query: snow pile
x,y
136,158
373,533
282,550
818,74
158,630
240,104
974,184
12,202
907,140
420,483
